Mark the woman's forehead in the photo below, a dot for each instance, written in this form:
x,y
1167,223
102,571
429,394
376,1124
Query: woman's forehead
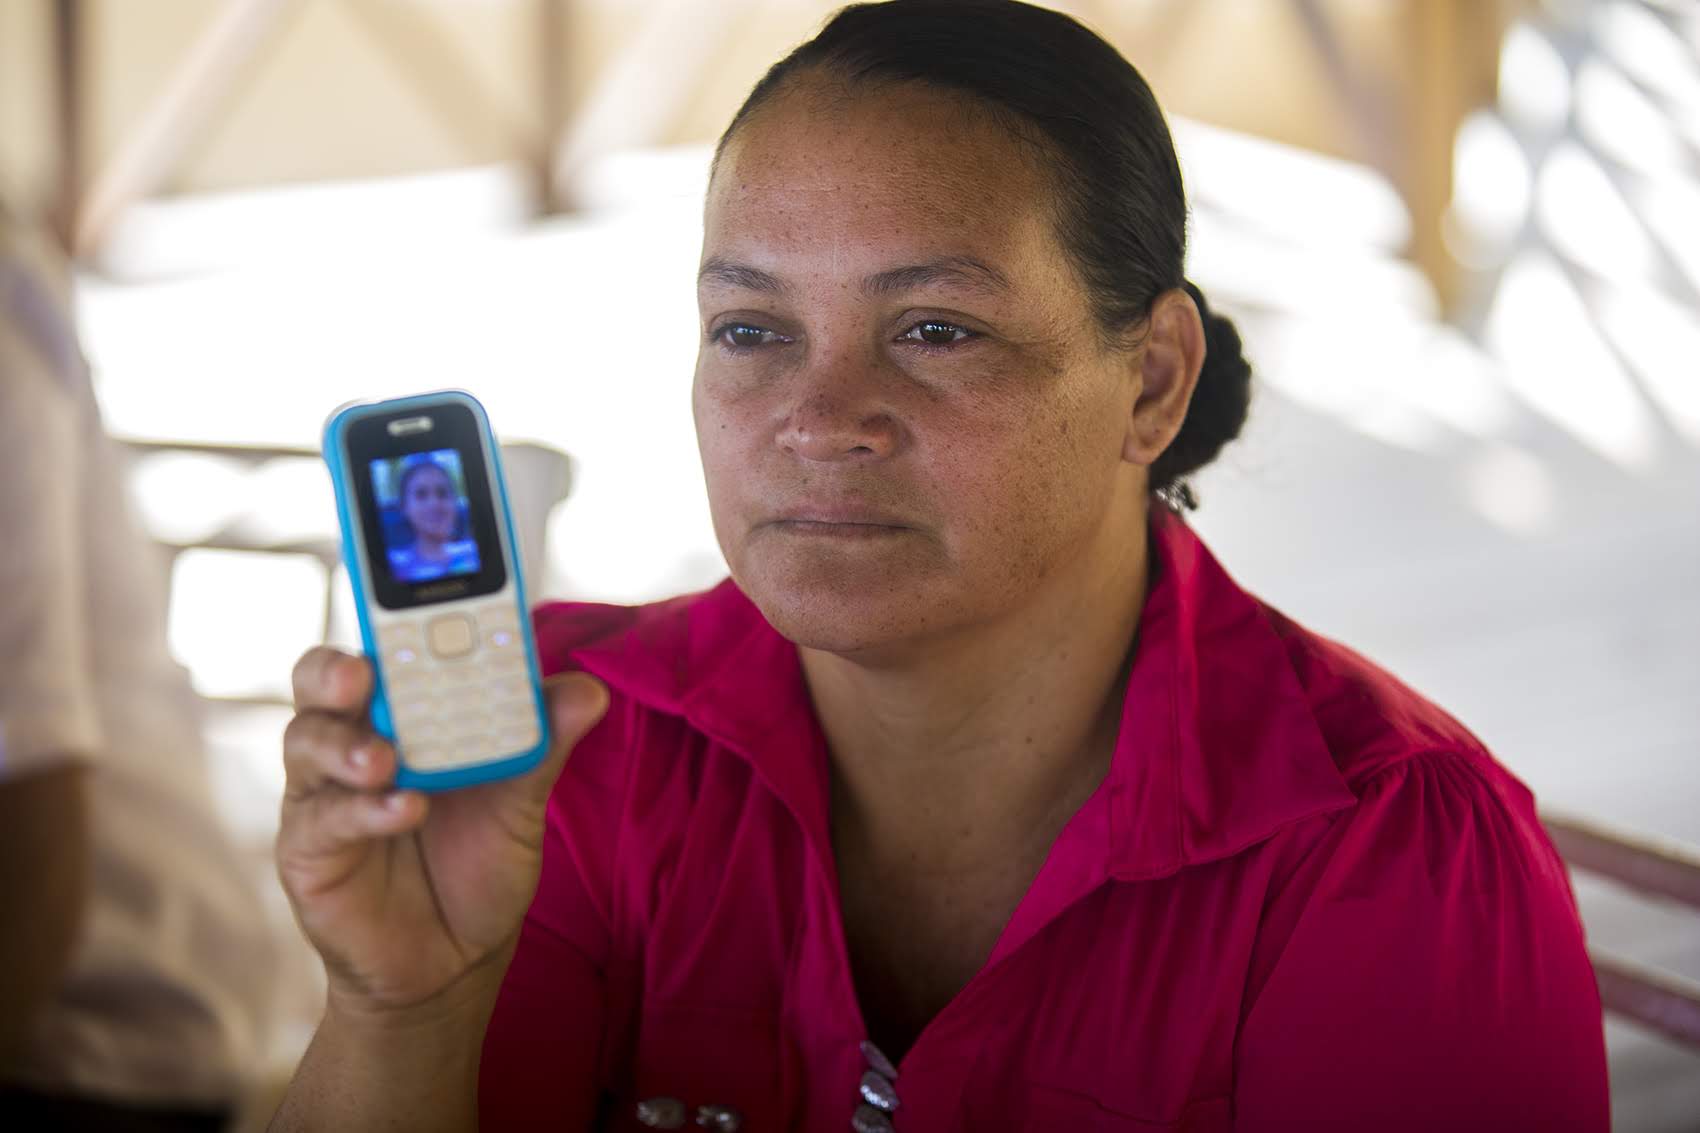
x,y
867,216
882,153
840,237
835,182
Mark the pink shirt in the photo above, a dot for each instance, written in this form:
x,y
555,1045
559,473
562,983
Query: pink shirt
x,y
1303,898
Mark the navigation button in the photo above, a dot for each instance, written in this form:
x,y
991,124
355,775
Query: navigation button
x,y
450,636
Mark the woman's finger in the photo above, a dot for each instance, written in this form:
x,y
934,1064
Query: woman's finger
x,y
317,829
320,748
330,679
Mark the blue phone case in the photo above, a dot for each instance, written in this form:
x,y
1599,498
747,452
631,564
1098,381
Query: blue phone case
x,y
354,558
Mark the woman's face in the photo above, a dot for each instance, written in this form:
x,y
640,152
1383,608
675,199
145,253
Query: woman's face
x,y
906,421
429,504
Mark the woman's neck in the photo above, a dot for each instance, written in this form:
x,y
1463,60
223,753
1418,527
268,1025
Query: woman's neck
x,y
998,732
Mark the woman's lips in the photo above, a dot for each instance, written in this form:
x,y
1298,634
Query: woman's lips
x,y
817,529
838,522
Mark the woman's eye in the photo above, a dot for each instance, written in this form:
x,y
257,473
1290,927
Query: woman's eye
x,y
933,332
743,336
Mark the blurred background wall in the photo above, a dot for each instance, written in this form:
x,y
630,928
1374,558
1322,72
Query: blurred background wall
x,y
1462,240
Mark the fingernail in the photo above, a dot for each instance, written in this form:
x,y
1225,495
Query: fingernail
x,y
395,800
361,756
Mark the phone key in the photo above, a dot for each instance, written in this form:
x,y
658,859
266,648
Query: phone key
x,y
511,714
399,633
509,686
515,733
501,639
467,723
506,694
419,740
507,669
425,757
474,746
515,678
415,715
525,704
413,708
471,698
409,682
458,676
517,739
408,655
514,715
450,635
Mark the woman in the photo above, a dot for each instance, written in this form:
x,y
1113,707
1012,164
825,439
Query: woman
x,y
980,795
431,505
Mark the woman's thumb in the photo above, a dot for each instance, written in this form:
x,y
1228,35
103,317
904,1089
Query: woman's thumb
x,y
576,702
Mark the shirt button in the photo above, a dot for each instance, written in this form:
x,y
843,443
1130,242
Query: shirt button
x,y
877,1059
867,1119
878,1091
720,1117
661,1113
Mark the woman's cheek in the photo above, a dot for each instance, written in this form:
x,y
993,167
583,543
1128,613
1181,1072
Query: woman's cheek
x,y
734,381
725,443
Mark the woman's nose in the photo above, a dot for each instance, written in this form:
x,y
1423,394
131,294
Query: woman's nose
x,y
839,419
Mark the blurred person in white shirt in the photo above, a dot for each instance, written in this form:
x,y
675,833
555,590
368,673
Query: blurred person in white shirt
x,y
135,964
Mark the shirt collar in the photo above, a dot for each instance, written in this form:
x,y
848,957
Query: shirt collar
x,y
1218,747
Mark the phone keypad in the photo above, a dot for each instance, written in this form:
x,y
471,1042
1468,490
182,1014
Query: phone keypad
x,y
459,686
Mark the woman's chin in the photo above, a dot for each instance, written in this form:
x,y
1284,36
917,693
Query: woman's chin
x,y
844,606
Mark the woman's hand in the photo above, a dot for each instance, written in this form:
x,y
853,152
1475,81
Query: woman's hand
x,y
412,900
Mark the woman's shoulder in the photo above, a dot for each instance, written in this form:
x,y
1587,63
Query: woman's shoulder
x,y
1435,807
1375,724
1431,923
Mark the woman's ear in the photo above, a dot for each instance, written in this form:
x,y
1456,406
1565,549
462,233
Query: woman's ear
x,y
1169,365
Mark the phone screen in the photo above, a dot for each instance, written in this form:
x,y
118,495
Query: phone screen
x,y
426,505
425,516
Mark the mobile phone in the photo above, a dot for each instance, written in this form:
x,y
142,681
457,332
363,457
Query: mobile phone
x,y
429,544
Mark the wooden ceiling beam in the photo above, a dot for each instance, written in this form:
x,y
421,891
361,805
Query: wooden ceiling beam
x,y
640,91
194,97
427,59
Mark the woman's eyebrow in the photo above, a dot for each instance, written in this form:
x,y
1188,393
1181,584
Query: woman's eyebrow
x,y
964,272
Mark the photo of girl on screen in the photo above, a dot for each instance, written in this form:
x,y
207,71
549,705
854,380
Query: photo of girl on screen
x,y
422,501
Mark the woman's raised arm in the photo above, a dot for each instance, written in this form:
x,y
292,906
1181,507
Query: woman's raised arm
x,y
414,902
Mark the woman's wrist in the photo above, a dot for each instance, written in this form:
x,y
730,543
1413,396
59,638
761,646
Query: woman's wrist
x,y
463,1006
372,1065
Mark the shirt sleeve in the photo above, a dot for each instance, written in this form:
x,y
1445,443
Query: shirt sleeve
x,y
48,708
542,1063
1435,976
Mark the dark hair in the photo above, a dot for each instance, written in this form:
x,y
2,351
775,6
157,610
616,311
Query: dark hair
x,y
1120,210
